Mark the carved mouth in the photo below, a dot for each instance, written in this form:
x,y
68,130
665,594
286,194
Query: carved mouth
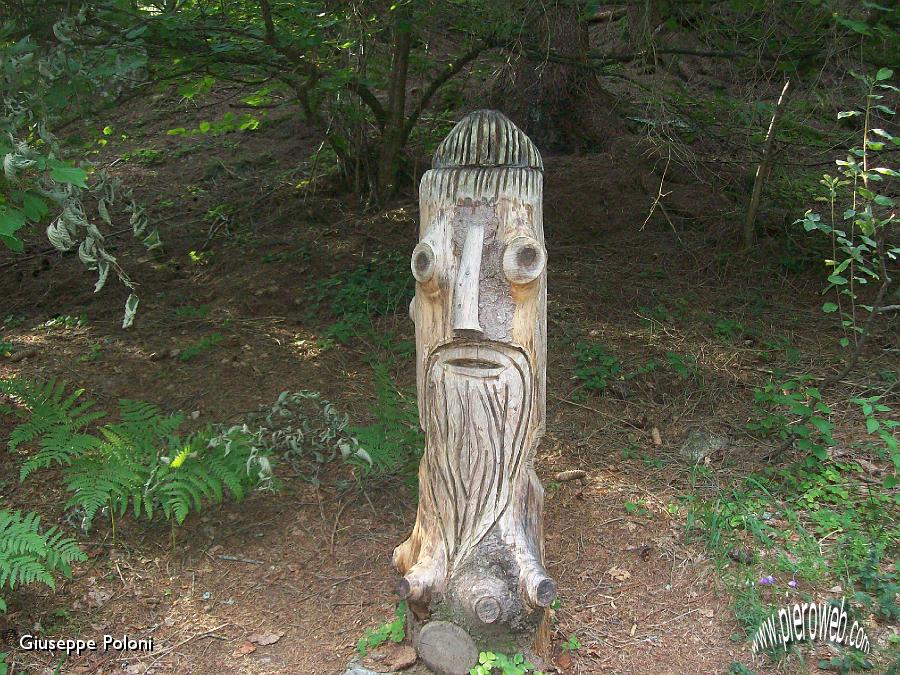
x,y
474,364
478,359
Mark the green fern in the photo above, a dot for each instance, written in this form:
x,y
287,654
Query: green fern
x,y
46,409
53,418
132,467
138,461
394,443
220,459
28,555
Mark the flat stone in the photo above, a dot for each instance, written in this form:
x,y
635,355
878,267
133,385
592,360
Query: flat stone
x,y
356,669
446,648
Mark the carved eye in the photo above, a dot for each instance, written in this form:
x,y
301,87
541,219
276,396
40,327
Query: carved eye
x,y
523,260
422,262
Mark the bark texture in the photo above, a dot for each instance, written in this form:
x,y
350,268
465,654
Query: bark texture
x,y
475,556
562,106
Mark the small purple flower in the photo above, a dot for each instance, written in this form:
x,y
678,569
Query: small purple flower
x,y
792,583
767,581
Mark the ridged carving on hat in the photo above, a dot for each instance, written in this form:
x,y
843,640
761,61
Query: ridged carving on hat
x,y
487,138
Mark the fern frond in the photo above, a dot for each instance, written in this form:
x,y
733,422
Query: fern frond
x,y
58,446
96,482
28,555
147,420
47,408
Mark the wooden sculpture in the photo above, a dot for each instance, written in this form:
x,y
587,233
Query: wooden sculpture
x,y
475,558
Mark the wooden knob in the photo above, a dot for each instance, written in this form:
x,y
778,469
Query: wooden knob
x,y
488,609
523,260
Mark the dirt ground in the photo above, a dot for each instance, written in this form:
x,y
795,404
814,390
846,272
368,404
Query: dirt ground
x,y
311,565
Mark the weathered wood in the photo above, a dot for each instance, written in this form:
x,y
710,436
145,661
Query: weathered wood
x,y
475,555
446,648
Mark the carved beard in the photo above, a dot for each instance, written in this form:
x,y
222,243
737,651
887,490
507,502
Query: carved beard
x,y
479,406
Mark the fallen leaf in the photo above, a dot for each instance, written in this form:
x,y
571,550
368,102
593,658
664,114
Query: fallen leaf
x,y
564,661
263,639
572,474
708,613
390,657
243,649
655,435
618,574
95,598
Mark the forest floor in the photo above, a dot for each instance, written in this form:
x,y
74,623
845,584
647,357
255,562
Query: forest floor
x,y
694,327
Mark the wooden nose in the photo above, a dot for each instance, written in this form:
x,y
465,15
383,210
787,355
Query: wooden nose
x,y
465,294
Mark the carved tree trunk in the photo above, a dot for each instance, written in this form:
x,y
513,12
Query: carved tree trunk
x,y
475,556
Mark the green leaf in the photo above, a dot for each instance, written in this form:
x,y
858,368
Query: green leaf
x,y
11,219
872,425
12,243
34,207
860,27
829,307
881,200
837,280
884,74
822,425
66,173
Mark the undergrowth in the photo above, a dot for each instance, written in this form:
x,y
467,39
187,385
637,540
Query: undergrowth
x,y
30,554
380,287
136,460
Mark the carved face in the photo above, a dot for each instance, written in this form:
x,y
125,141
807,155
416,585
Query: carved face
x,y
480,270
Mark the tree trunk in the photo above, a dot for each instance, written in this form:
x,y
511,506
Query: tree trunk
x,y
561,106
392,137
473,566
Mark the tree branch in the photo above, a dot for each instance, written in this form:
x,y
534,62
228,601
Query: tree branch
x,y
454,69
762,171
266,11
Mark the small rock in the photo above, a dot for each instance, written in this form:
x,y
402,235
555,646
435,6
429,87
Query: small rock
x,y
355,669
195,414
701,444
173,353
741,555
22,355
